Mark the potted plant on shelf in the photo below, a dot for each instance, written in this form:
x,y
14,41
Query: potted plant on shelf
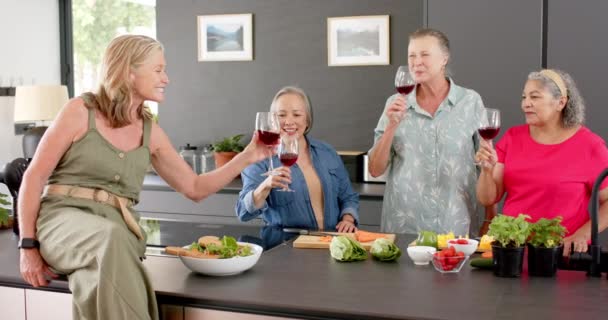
x,y
225,149
5,220
545,247
510,235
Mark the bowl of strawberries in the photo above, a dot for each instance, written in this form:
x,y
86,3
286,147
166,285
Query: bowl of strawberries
x,y
467,246
449,260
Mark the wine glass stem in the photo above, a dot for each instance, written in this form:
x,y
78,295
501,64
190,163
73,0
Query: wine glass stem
x,y
271,168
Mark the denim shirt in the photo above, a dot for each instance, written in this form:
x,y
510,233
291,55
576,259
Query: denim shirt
x,y
293,209
432,179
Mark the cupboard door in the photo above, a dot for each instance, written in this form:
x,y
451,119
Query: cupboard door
x,y
206,314
171,312
45,305
12,303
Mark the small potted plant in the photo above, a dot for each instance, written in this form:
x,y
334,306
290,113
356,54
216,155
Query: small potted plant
x,y
225,149
5,220
545,247
510,235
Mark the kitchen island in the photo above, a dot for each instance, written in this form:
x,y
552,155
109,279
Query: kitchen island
x,y
309,284
158,200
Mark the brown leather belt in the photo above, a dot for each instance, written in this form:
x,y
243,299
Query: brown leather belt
x,y
101,196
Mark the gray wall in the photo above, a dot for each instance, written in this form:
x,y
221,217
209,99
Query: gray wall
x,y
495,44
209,100
577,44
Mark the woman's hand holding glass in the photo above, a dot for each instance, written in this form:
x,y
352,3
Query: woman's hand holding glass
x,y
489,126
396,111
257,151
280,179
404,84
486,155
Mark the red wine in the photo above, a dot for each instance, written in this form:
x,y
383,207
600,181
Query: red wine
x,y
288,159
269,138
406,89
488,133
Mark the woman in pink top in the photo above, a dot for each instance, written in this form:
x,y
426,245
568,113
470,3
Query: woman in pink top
x,y
547,167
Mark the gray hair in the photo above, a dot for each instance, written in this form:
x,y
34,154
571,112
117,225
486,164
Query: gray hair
x,y
303,95
573,113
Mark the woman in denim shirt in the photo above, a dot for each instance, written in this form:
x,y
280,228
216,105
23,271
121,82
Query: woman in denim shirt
x,y
323,197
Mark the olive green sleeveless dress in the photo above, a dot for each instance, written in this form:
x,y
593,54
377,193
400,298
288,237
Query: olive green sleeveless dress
x,y
89,241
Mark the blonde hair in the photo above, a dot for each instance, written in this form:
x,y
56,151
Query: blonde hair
x,y
113,97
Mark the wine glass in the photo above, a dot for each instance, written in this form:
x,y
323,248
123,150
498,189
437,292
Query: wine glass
x,y
288,153
404,83
489,125
268,128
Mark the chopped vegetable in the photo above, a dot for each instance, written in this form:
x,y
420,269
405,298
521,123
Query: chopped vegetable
x,y
485,243
227,249
326,238
487,254
345,249
366,236
384,250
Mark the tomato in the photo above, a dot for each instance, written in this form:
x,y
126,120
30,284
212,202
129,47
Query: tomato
x,y
462,241
453,260
452,251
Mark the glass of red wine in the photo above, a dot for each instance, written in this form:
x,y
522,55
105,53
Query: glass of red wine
x,y
288,154
489,125
404,83
269,129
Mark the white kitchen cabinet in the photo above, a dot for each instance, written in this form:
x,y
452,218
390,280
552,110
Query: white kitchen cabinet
x,y
45,305
206,314
12,303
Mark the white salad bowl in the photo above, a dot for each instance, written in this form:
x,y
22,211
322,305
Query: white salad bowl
x,y
421,255
223,267
468,249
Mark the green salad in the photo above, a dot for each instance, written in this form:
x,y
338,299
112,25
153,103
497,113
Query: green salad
x,y
225,248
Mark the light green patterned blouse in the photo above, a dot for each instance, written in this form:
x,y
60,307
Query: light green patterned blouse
x,y
432,175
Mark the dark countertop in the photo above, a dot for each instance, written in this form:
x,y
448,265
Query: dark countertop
x,y
308,283
153,182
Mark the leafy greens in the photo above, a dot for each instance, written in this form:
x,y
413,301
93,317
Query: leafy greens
x,y
343,248
385,250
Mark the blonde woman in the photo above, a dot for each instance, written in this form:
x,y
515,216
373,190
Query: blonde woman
x,y
323,199
76,197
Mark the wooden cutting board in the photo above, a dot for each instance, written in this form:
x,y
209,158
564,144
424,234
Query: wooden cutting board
x,y
314,242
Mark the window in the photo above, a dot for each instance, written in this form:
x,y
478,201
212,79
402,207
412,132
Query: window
x,y
88,27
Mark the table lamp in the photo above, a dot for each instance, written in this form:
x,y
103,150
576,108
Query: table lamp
x,y
37,104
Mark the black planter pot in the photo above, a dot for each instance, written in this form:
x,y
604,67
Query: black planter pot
x,y
542,262
508,262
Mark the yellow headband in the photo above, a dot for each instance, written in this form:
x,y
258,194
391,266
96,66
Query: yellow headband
x,y
557,79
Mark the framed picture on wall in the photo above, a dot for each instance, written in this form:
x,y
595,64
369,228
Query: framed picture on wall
x,y
225,37
358,40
